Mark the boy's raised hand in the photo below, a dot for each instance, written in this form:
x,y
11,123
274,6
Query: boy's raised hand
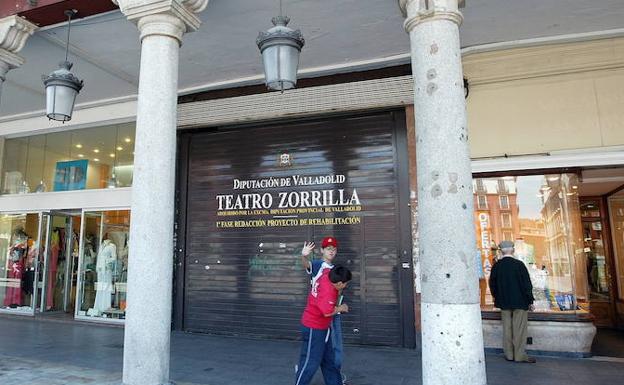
x,y
307,248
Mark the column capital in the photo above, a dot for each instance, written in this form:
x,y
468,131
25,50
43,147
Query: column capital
x,y
163,17
420,11
14,31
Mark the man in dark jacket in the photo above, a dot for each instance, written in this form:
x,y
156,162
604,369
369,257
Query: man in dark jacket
x,y
511,287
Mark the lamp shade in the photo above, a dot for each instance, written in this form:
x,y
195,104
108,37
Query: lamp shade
x,y
280,47
62,87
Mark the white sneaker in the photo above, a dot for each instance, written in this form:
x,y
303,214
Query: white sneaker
x,y
296,368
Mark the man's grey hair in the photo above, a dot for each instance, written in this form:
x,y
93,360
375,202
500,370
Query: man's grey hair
x,y
507,250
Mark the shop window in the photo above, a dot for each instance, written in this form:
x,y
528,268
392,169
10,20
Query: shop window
x,y
104,265
547,233
100,157
482,202
19,257
504,202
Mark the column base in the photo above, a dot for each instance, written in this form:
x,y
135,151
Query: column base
x,y
568,339
452,344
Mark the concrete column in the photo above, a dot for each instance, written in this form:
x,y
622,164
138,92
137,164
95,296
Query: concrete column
x,y
452,336
14,31
150,261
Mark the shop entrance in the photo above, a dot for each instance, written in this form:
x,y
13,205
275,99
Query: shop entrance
x,y
600,192
57,280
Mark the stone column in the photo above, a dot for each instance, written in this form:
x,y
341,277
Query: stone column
x,y
14,31
1,163
161,23
452,336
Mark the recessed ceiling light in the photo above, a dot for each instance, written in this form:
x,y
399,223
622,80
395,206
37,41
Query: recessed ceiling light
x,y
119,148
80,155
96,150
96,160
127,140
575,187
79,145
111,155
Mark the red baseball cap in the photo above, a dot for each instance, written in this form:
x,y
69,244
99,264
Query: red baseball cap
x,y
329,241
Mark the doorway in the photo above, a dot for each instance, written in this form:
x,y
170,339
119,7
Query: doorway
x,y
57,280
598,261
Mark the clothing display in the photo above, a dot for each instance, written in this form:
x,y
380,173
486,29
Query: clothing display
x,y
15,269
104,268
55,248
13,296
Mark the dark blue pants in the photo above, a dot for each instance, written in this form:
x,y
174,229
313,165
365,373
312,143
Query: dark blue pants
x,y
336,336
317,350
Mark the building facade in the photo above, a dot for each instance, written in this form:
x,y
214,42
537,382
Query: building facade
x,y
259,173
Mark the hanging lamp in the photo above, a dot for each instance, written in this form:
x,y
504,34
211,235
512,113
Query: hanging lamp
x,y
280,47
62,86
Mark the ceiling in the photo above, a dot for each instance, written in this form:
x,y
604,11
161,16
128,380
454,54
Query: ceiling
x,y
598,182
105,49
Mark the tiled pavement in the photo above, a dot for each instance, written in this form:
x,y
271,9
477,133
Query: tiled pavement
x,y
34,352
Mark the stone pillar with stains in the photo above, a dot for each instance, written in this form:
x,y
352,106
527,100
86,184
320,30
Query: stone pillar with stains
x,y
452,335
162,24
14,31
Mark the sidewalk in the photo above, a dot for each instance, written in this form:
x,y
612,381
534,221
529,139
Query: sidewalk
x,y
55,353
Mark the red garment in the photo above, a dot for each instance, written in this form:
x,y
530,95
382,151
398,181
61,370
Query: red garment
x,y
321,300
54,254
14,294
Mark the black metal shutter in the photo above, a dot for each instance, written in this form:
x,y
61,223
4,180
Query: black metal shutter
x,y
249,281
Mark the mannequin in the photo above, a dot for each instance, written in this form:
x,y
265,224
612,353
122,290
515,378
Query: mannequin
x,y
13,297
104,286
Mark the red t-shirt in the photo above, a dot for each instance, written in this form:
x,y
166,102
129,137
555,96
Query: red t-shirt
x,y
321,300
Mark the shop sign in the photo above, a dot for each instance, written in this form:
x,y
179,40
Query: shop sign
x,y
483,226
274,202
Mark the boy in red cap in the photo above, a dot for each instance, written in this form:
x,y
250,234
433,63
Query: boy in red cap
x,y
317,346
315,268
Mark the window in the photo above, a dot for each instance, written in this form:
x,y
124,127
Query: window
x,y
506,220
104,265
480,185
502,188
100,157
482,202
19,257
546,230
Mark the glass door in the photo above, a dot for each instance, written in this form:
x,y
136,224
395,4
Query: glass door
x,y
59,278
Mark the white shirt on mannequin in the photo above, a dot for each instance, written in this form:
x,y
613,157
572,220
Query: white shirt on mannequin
x,y
104,268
